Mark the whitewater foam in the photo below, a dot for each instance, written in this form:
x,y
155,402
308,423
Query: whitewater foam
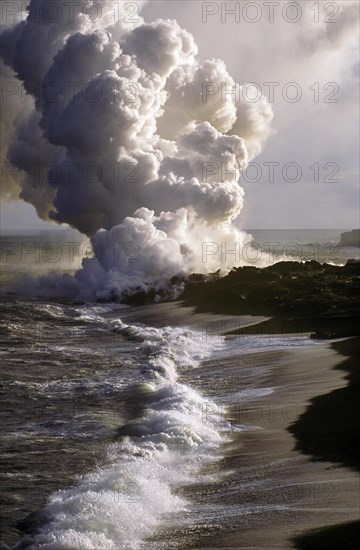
x,y
134,490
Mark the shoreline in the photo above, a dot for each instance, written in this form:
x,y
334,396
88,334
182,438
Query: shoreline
x,y
285,492
283,497
296,297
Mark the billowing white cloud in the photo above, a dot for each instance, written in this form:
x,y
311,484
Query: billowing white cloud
x,y
128,133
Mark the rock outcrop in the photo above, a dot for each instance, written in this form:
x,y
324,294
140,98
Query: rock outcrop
x,y
350,238
310,296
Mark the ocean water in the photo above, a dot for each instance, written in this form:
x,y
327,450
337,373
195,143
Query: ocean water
x,y
104,423
64,250
321,245
111,416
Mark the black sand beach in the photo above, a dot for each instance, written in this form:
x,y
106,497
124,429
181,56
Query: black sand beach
x,y
295,477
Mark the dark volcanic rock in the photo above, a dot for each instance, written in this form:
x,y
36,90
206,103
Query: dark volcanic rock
x,y
306,290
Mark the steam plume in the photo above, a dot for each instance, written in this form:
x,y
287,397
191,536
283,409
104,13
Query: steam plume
x,y
120,138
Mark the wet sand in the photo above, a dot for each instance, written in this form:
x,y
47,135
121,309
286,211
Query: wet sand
x,y
273,494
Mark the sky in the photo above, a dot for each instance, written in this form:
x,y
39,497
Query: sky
x,y
305,132
306,63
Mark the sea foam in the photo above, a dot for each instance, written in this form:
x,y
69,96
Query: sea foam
x,y
134,490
